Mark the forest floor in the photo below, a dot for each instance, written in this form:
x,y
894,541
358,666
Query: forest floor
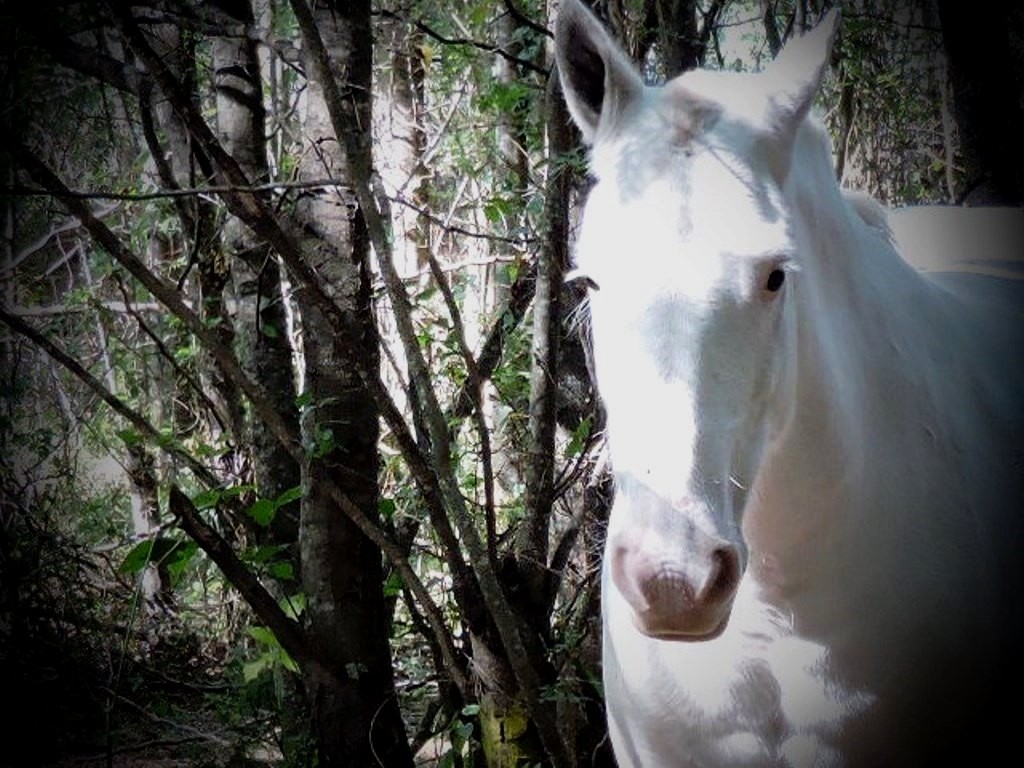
x,y
72,709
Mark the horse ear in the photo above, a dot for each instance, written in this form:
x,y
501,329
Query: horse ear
x,y
796,74
598,80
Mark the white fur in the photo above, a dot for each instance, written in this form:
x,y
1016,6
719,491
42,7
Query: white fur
x,y
857,436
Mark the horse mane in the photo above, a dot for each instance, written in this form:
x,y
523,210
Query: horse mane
x,y
870,211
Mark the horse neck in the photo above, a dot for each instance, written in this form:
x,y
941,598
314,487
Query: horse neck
x,y
855,387
858,346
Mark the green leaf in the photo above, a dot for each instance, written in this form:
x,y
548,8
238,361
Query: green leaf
x,y
263,636
289,496
180,558
323,441
293,606
263,512
205,450
160,550
496,209
464,731
207,499
282,570
471,710
252,669
130,437
233,491
579,438
288,662
137,559
185,354
263,553
386,508
393,585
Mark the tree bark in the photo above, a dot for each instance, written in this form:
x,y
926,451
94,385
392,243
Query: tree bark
x,y
678,35
402,144
182,166
532,542
262,342
352,688
986,67
145,508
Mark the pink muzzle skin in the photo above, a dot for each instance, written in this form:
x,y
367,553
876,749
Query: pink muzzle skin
x,y
673,599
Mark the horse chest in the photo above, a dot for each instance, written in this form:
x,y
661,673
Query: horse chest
x,y
755,696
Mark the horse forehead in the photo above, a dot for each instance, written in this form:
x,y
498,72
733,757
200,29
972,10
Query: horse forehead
x,y
721,172
686,218
734,208
739,98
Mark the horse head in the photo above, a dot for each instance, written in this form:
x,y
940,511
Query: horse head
x,y
688,242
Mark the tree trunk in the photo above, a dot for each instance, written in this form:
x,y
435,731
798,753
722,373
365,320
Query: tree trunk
x,y
145,508
356,711
402,140
983,47
183,166
262,342
678,35
533,537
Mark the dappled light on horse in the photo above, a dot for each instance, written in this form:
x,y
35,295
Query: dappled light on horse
x,y
817,446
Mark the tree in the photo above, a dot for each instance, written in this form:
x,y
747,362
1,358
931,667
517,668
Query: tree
x,y
355,708
987,73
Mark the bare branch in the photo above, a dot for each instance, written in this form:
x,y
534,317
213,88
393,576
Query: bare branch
x,y
197,388
216,189
479,44
255,213
68,225
525,20
476,389
156,152
438,221
520,295
532,540
167,294
438,482
119,406
286,630
52,310
89,61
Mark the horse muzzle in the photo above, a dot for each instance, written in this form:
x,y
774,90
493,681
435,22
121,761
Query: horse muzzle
x,y
684,596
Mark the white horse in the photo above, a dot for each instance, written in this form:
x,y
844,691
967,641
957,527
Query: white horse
x,y
812,555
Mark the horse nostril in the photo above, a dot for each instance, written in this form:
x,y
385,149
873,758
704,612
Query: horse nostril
x,y
724,575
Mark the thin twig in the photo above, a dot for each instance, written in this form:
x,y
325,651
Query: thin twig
x,y
479,44
169,357
119,406
453,229
19,190
253,210
476,390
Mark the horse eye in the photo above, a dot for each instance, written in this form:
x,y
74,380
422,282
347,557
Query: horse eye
x,y
775,280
